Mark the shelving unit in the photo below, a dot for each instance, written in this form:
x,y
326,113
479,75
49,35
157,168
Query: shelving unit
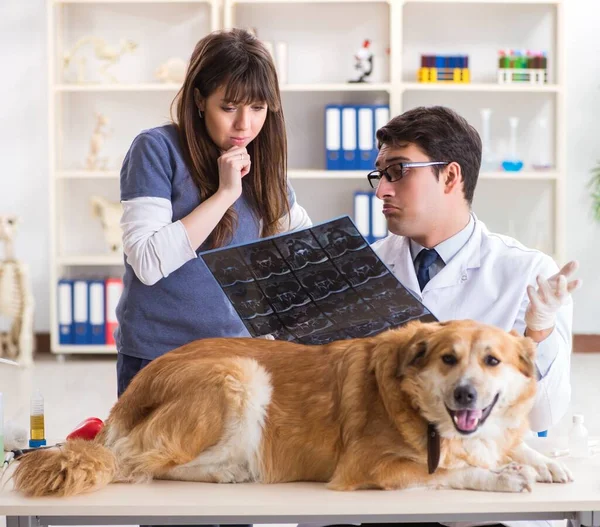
x,y
67,181
402,89
327,32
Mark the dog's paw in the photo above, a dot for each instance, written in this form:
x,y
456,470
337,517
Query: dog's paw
x,y
551,471
515,478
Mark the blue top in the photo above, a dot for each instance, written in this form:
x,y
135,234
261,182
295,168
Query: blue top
x,y
188,304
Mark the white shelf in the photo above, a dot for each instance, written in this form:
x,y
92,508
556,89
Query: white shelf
x,y
84,348
328,174
362,174
309,1
340,87
87,174
521,176
480,87
98,87
223,15
516,2
90,259
172,87
132,1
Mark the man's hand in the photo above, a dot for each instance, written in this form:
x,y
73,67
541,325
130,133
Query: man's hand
x,y
549,297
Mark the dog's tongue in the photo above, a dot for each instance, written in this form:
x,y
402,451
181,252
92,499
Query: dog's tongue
x,y
468,419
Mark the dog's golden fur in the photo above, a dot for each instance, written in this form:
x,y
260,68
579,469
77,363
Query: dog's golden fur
x,y
351,413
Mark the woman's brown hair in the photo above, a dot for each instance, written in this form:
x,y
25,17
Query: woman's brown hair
x,y
240,62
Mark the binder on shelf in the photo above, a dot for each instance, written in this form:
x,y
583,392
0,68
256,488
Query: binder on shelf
x,y
81,312
114,288
362,213
368,216
97,312
366,138
333,137
378,222
65,311
381,114
349,138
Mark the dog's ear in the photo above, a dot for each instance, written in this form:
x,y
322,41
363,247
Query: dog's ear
x,y
414,353
414,356
527,351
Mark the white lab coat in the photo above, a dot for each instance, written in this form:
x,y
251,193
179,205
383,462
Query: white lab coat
x,y
487,281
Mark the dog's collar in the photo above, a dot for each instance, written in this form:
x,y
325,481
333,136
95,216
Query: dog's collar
x,y
433,448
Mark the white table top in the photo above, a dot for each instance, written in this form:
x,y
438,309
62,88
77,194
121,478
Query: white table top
x,y
303,502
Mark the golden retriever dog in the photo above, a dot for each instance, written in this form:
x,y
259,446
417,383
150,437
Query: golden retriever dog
x,y
438,404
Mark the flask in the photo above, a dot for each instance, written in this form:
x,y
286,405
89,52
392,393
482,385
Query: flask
x,y
578,438
36,421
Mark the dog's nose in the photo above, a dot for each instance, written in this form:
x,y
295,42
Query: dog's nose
x,y
465,395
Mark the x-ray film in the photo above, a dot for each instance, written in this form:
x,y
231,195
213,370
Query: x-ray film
x,y
313,286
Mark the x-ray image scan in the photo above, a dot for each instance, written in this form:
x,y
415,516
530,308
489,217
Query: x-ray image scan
x,y
301,249
264,259
313,286
228,268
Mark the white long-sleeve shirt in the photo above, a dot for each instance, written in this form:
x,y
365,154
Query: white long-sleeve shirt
x,y
155,246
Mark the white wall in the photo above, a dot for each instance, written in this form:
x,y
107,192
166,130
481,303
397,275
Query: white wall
x,y
23,138
583,153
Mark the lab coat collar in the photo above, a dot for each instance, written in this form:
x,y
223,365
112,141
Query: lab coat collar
x,y
454,273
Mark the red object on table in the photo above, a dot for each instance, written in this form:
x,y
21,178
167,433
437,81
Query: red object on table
x,y
87,429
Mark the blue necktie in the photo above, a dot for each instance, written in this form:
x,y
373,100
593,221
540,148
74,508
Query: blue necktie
x,y
426,258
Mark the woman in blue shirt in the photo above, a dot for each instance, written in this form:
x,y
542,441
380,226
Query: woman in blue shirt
x,y
215,176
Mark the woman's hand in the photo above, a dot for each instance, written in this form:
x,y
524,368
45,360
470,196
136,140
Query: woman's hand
x,y
233,165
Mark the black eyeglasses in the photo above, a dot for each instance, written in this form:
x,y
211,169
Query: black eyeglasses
x,y
397,171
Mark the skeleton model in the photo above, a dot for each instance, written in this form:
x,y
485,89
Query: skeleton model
x,y
363,62
109,213
99,135
173,70
16,299
110,55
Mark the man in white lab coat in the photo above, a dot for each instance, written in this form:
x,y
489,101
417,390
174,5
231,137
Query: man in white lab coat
x,y
426,175
427,169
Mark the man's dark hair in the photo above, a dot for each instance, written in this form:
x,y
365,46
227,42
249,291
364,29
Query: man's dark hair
x,y
443,135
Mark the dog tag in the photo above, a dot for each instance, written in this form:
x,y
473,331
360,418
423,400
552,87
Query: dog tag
x,y
433,448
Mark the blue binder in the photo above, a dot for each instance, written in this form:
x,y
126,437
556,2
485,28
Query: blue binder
x,y
81,312
378,221
333,137
381,116
97,312
349,138
367,148
362,213
65,311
